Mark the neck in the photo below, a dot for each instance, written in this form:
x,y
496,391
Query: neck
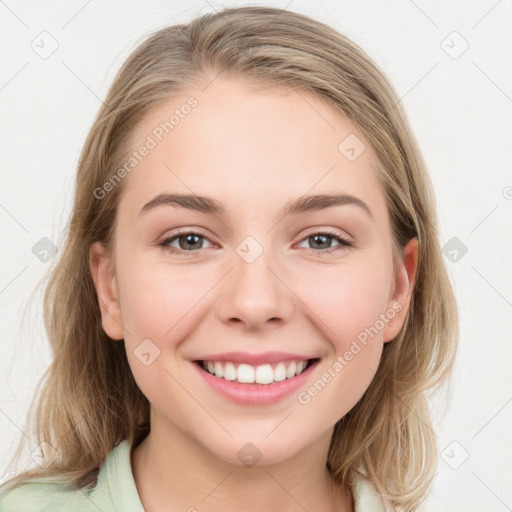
x,y
172,472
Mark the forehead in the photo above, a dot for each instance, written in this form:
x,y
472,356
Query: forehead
x,y
242,143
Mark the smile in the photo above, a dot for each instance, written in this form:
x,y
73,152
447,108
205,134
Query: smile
x,y
261,374
256,385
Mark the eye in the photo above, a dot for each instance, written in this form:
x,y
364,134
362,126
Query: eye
x,y
323,238
188,242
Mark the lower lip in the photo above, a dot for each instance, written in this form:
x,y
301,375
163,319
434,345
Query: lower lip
x,y
256,394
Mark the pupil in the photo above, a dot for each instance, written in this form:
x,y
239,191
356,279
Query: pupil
x,y
188,238
325,237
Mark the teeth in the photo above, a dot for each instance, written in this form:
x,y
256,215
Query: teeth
x,y
245,373
280,372
263,374
229,371
219,370
290,371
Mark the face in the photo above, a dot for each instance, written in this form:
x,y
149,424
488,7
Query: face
x,y
264,276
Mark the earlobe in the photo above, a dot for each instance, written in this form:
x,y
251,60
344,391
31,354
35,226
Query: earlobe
x,y
106,290
403,288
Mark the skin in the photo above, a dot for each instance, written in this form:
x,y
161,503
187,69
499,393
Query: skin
x,y
252,150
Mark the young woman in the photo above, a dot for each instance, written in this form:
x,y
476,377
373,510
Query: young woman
x,y
251,302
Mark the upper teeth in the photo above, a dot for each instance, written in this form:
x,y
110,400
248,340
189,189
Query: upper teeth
x,y
263,374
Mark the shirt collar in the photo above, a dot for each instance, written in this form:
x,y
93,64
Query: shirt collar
x,y
116,485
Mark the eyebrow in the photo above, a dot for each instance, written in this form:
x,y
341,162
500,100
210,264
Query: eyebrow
x,y
205,204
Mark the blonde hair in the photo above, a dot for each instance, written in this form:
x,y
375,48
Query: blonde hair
x,y
90,401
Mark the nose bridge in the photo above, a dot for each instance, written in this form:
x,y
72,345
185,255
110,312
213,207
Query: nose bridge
x,y
253,293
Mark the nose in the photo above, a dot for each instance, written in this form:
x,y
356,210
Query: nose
x,y
255,295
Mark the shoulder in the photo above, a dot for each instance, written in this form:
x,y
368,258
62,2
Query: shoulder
x,y
42,496
115,490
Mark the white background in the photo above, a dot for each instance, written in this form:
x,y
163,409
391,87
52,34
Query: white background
x,y
461,112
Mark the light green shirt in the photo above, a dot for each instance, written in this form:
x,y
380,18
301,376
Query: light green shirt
x,y
116,492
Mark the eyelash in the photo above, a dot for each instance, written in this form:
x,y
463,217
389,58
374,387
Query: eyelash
x,y
344,243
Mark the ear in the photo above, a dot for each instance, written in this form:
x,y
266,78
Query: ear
x,y
106,289
402,291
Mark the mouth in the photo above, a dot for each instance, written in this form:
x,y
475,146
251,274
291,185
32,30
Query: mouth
x,y
256,375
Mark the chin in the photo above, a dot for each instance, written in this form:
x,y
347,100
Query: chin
x,y
257,450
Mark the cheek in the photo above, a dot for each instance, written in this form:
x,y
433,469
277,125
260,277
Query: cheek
x,y
159,307
347,301
350,310
159,300
348,306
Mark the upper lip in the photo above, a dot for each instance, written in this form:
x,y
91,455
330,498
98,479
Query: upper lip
x,y
254,359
